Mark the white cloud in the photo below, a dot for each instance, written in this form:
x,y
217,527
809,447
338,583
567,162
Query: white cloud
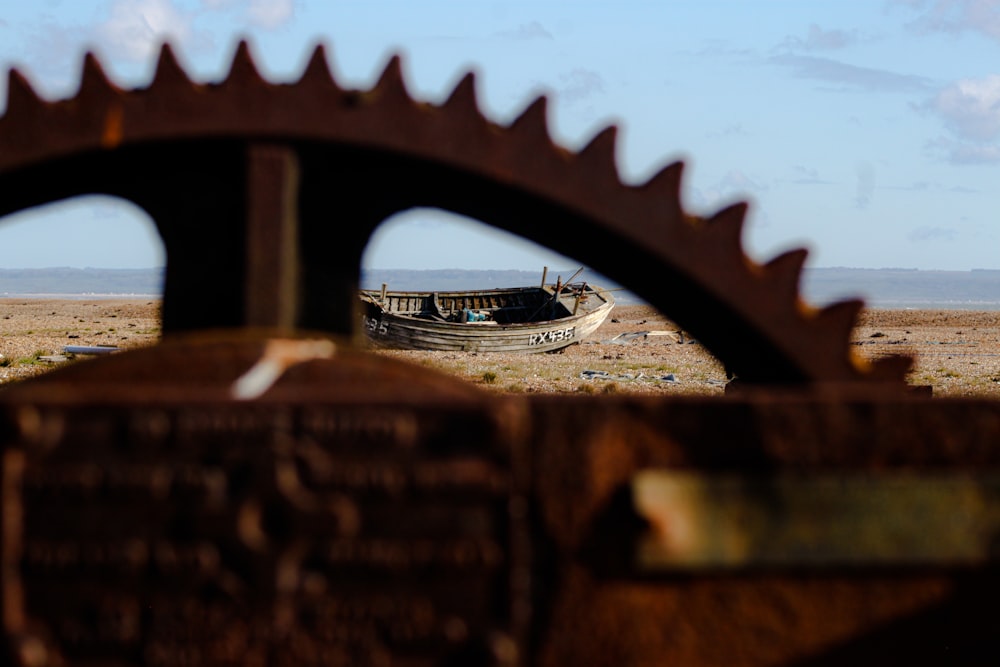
x,y
579,84
864,78
136,28
932,234
958,16
267,14
731,130
803,175
818,39
52,49
736,180
964,153
971,107
735,185
270,14
865,189
527,31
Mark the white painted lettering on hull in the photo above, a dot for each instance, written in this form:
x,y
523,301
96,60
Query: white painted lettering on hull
x,y
554,336
376,327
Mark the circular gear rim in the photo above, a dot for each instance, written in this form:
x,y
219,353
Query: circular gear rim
x,y
749,315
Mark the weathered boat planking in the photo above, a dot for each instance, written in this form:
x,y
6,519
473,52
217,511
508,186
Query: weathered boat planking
x,y
522,319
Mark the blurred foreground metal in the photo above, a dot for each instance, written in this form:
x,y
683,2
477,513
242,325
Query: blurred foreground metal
x,y
247,492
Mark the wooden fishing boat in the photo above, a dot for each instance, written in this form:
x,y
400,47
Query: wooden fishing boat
x,y
522,319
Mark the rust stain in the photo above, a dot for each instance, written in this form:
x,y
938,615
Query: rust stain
x,y
114,127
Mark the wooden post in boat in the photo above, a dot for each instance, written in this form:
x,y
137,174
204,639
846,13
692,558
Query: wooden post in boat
x,y
579,295
545,273
555,294
382,299
573,277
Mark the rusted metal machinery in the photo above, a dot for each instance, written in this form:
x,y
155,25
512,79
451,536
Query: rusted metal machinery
x,y
248,492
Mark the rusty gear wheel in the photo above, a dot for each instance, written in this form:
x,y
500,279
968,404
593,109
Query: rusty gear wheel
x,y
265,196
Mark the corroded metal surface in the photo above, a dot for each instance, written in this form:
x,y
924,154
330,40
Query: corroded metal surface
x,y
440,525
333,528
263,496
608,609
698,521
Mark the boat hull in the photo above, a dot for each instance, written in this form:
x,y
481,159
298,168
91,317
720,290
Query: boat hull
x,y
421,331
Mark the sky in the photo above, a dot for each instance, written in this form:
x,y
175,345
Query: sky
x,y
867,131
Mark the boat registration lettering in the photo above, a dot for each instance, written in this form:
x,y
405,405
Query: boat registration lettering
x,y
375,326
554,336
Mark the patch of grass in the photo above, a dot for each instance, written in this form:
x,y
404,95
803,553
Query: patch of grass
x,y
585,388
610,388
489,377
33,359
515,388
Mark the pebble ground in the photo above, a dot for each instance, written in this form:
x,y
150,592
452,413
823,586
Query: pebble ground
x,y
957,352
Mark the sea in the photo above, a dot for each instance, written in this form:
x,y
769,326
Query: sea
x,y
624,298
933,304
80,296
890,288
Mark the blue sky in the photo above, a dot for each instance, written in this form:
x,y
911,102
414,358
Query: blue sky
x,y
865,130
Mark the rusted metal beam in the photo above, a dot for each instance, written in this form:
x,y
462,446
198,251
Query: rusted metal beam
x,y
732,522
350,478
273,264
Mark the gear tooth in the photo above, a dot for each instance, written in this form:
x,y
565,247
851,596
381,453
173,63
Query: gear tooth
x,y
890,369
168,69
666,182
463,95
784,272
93,79
317,70
243,69
20,95
600,152
533,122
390,82
664,188
837,320
725,228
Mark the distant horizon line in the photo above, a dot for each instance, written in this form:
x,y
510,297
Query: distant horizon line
x,y
458,268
